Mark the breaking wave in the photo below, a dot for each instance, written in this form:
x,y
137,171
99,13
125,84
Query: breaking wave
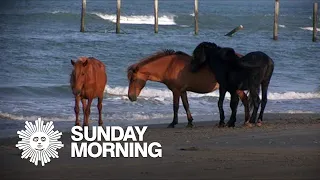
x,y
138,19
309,28
70,118
165,93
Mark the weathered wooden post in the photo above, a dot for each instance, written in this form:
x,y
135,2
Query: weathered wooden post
x,y
155,16
234,30
118,16
196,27
276,16
83,13
315,21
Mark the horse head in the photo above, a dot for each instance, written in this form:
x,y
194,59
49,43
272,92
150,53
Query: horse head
x,y
137,81
78,75
226,56
201,53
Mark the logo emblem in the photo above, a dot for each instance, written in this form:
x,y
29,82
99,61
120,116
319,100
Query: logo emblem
x,y
39,142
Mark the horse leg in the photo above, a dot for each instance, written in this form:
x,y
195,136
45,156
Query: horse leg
x,y
264,100
76,109
87,113
185,102
84,107
256,104
176,97
233,105
222,93
99,105
244,99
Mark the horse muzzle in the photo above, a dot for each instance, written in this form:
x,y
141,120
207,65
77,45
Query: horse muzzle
x,y
132,97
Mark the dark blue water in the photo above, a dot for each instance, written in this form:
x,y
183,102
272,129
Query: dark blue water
x,y
40,37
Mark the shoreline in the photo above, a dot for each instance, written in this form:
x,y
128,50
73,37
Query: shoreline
x,y
285,147
65,126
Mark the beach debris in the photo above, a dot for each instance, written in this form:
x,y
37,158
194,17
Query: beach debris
x,y
190,149
234,31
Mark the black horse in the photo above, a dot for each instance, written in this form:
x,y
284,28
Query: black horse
x,y
236,73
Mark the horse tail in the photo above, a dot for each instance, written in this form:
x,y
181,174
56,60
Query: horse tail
x,y
72,79
270,68
253,90
252,96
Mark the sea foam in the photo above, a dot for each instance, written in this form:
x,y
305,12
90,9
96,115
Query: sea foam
x,y
138,19
166,93
309,28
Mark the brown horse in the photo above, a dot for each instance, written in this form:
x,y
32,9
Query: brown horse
x,y
174,70
88,81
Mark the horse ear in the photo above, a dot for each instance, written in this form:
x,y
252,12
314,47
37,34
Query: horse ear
x,y
227,54
231,54
85,63
136,69
72,62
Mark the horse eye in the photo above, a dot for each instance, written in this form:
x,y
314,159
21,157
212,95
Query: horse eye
x,y
82,74
43,138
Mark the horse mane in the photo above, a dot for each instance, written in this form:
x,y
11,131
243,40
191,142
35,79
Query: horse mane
x,y
207,44
197,52
166,52
82,58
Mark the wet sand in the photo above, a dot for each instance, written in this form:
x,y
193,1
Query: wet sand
x,y
286,147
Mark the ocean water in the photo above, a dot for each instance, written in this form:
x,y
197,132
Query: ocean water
x,y
40,37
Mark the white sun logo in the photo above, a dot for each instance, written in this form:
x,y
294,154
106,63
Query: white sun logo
x,y
39,142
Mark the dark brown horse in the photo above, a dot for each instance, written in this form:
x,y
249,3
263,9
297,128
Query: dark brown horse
x,y
174,70
248,72
88,81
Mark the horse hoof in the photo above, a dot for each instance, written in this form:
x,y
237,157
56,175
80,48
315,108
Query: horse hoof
x,y
100,124
259,123
170,126
189,125
77,124
248,124
221,125
231,125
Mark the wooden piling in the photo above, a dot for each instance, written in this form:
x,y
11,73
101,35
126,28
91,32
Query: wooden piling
x,y
118,16
196,27
315,22
276,16
83,13
155,16
234,30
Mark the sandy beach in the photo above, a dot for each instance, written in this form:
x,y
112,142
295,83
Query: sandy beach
x,y
286,147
